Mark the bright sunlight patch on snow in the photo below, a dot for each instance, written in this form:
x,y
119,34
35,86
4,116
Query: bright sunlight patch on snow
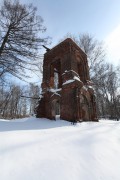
x,y
40,149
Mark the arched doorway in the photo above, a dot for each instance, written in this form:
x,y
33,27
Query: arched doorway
x,y
56,109
85,112
84,108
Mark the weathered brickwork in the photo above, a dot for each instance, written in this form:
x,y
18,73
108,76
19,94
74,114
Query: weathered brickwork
x,y
66,88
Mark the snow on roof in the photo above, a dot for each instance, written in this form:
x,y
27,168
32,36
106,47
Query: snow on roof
x,y
72,80
68,81
54,90
66,71
76,78
90,87
85,87
55,94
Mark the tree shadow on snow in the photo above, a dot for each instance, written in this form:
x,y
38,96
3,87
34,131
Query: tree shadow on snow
x,y
31,123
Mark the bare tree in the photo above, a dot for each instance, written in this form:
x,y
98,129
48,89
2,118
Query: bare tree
x,y
93,48
107,86
20,39
34,93
18,101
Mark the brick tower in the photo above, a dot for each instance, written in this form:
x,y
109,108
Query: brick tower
x,y
66,88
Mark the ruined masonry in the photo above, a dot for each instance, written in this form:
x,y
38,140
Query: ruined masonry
x,y
66,88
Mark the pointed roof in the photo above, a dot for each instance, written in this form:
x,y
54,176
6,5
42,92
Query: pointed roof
x,y
66,41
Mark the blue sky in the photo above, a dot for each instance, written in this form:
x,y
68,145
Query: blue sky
x,y
98,18
76,16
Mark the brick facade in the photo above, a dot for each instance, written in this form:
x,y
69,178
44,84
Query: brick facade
x,y
70,95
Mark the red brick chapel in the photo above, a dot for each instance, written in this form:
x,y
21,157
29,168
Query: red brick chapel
x,y
67,91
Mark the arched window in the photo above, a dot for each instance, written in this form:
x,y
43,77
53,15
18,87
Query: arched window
x,y
55,75
56,79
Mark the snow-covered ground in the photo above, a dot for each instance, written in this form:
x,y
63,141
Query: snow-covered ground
x,y
40,149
